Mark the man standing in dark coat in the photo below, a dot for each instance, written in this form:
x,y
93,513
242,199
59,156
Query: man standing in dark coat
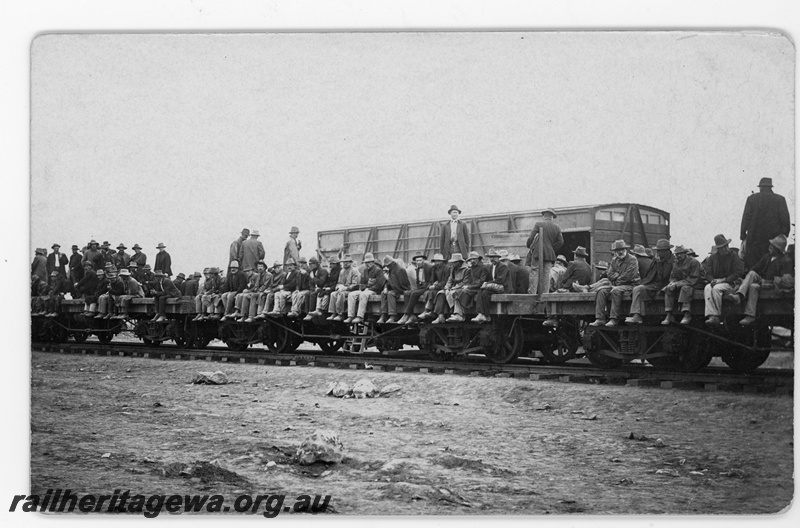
x,y
235,252
75,266
765,217
57,261
163,260
121,258
39,265
252,251
553,240
455,235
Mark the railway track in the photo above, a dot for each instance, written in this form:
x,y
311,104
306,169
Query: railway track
x,y
771,381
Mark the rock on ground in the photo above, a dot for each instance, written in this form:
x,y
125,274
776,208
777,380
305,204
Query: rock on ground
x,y
210,378
364,388
322,446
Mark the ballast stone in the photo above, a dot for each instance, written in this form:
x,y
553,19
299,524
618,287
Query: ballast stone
x,y
338,389
364,388
210,378
322,446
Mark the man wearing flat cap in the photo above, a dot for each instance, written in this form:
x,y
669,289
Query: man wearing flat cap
x,y
454,237
293,246
551,242
57,261
163,260
724,270
771,269
765,216
654,279
623,275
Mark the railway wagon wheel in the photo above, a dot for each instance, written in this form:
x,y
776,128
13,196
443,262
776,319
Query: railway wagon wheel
x,y
507,345
105,337
331,346
276,339
564,346
151,342
593,344
80,337
695,357
294,343
742,360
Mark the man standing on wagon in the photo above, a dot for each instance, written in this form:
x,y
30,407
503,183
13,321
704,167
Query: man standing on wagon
x,y
455,235
553,240
765,217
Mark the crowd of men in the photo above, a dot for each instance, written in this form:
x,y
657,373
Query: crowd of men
x,y
455,282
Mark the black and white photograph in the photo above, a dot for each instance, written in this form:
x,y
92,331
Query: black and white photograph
x,y
486,272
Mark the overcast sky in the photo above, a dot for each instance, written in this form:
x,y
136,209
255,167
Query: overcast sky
x,y
185,139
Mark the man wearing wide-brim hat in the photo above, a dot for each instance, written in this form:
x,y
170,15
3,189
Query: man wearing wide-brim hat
x,y
289,283
208,293
772,268
349,280
59,286
138,257
252,252
654,279
523,279
578,271
765,216
132,290
456,280
57,261
465,297
439,273
497,280
235,252
683,280
644,261
454,237
163,290
551,241
397,283
266,301
724,270
94,255
121,259
557,272
75,266
371,283
623,275
163,260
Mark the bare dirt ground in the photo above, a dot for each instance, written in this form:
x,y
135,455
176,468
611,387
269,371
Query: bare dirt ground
x,y
443,445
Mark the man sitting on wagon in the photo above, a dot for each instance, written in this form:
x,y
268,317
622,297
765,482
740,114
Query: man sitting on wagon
x,y
523,280
683,280
578,271
206,299
317,278
107,301
623,275
163,290
59,286
464,299
132,290
38,295
498,280
285,288
440,272
371,283
724,270
93,299
655,278
266,301
456,281
303,289
236,283
248,299
642,258
325,290
774,265
423,278
349,279
396,284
